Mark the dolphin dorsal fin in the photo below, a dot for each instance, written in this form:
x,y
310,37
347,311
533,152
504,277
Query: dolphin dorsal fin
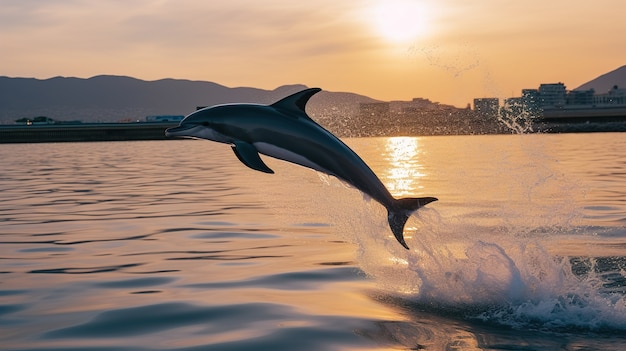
x,y
296,103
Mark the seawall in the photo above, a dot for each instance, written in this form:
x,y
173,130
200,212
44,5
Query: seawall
x,y
84,132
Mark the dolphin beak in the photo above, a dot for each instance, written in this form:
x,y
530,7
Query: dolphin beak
x,y
177,131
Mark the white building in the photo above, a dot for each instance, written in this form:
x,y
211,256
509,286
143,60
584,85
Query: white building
x,y
552,95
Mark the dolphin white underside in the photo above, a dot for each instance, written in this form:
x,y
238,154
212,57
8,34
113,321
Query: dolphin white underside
x,y
286,155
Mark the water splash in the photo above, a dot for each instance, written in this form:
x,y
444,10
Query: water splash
x,y
501,275
495,277
499,263
454,61
517,116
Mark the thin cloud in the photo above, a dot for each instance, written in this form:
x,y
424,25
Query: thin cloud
x,y
322,42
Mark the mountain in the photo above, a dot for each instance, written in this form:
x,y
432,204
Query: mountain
x,y
108,98
607,81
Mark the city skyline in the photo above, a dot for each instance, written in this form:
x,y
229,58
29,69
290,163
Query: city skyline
x,y
448,51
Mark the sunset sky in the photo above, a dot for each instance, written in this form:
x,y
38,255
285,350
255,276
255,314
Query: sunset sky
x,y
446,50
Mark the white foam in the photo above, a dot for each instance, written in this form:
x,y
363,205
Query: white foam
x,y
499,278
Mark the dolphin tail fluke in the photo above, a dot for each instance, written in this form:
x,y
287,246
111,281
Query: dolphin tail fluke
x,y
400,213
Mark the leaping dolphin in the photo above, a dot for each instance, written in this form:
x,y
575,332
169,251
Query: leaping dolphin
x,y
284,131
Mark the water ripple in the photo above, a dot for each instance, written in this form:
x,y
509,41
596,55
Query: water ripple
x,y
85,270
177,246
149,319
288,281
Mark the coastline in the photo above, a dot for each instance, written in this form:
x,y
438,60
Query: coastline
x,y
87,132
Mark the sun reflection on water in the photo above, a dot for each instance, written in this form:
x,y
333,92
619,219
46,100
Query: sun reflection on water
x,y
405,169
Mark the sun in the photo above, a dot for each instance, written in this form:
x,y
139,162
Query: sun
x,y
400,21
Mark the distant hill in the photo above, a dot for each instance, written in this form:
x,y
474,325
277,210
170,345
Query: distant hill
x,y
605,82
115,98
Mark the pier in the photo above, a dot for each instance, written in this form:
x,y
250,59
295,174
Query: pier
x,y
46,133
585,114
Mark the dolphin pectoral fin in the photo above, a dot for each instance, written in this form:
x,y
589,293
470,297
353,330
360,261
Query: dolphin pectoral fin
x,y
249,156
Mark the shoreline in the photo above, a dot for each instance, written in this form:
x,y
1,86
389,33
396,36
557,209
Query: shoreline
x,y
88,132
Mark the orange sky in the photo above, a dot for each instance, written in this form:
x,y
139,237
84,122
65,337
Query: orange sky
x,y
447,50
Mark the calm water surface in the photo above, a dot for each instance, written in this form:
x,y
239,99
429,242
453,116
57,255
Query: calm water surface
x,y
175,245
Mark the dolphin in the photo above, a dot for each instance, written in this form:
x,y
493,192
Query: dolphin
x,y
284,131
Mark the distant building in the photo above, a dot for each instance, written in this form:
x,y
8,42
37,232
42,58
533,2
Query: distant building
x,y
515,106
531,102
414,106
36,120
615,96
553,103
487,107
530,96
552,95
580,97
165,118
422,103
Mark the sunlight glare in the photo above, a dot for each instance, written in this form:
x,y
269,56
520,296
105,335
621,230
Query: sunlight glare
x,y
405,169
400,21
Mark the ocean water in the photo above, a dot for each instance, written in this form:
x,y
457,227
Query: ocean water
x,y
175,245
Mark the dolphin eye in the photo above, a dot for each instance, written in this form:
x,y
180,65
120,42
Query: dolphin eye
x,y
206,124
